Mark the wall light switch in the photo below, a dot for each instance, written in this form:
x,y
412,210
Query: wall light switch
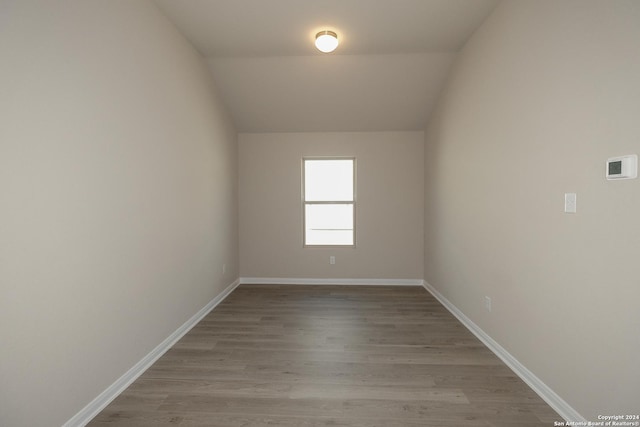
x,y
332,260
570,202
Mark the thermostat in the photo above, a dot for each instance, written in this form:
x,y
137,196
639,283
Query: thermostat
x,y
624,167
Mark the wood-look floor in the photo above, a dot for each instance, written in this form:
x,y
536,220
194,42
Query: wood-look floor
x,y
306,356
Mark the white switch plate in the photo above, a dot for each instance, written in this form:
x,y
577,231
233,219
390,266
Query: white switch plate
x,y
487,303
570,202
332,260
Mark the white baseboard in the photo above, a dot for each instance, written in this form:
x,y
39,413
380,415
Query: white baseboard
x,y
310,281
83,417
536,384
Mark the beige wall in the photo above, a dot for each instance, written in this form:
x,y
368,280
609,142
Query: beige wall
x,y
540,97
389,217
118,198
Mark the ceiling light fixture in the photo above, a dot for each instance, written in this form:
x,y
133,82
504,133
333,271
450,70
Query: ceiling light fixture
x,y
326,41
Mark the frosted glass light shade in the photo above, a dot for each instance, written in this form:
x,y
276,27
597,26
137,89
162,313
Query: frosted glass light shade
x,y
326,41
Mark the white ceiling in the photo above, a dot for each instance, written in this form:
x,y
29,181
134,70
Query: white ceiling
x,y
393,58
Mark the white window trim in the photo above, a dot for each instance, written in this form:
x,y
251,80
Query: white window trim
x,y
305,203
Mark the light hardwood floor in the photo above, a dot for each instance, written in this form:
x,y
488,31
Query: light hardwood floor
x,y
306,356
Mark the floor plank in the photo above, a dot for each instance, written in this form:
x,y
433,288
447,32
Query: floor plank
x,y
308,356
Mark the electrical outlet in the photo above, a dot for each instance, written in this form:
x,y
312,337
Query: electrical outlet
x,y
332,260
487,303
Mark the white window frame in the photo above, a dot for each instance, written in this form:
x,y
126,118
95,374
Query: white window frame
x,y
340,202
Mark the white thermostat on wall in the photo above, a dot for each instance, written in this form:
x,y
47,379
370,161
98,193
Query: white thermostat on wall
x,y
623,167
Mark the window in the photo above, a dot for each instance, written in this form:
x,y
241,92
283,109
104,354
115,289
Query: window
x,y
329,203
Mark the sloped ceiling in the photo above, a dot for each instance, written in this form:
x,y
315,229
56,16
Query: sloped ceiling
x,y
391,63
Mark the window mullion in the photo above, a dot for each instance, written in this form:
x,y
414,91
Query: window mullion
x,y
330,203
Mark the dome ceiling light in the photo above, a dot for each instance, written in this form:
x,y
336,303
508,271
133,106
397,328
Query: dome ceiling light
x,y
326,41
